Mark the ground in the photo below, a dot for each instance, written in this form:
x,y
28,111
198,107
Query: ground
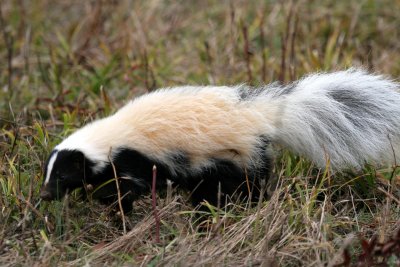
x,y
65,63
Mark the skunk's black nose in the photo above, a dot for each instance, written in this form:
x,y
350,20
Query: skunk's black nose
x,y
45,195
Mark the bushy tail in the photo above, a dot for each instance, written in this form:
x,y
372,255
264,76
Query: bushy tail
x,y
347,117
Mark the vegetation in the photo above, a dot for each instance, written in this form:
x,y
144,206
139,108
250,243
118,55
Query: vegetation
x,y
65,63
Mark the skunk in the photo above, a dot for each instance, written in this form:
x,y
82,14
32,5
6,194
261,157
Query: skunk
x,y
216,140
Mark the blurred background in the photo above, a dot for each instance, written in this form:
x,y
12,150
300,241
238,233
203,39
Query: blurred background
x,y
55,51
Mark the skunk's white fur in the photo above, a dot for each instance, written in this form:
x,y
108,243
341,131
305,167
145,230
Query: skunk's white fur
x,y
210,138
204,122
347,117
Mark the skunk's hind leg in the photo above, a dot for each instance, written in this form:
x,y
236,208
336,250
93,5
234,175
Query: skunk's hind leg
x,y
226,182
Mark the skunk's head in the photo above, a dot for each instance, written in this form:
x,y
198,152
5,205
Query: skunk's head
x,y
65,171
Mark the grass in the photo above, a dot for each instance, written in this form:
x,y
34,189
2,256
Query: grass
x,y
68,62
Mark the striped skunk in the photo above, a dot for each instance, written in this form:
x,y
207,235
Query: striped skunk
x,y
208,138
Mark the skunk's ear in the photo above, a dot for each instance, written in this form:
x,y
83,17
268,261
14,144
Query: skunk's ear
x,y
78,161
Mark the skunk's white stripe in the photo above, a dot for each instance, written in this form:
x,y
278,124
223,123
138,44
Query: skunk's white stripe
x,y
349,117
50,167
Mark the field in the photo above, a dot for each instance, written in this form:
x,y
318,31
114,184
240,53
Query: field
x,y
65,63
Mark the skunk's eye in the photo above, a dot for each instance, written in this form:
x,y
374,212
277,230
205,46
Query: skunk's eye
x,y
60,175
